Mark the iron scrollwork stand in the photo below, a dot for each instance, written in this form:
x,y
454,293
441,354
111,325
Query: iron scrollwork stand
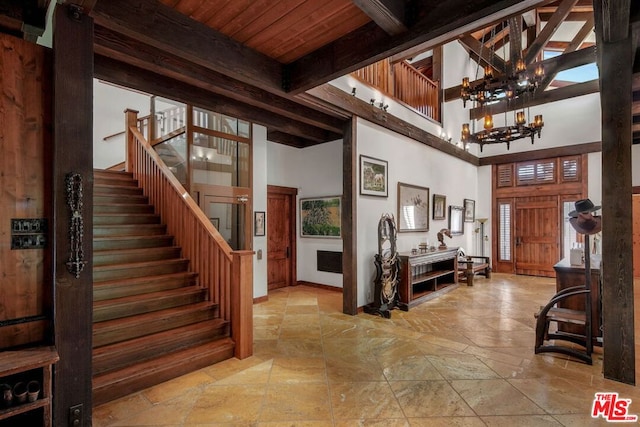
x,y
76,262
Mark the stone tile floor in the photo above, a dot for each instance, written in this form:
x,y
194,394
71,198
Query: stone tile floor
x,y
463,359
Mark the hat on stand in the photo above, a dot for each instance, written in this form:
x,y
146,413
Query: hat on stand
x,y
582,218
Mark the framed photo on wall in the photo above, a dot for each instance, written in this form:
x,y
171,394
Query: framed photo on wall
x,y
215,222
456,220
374,177
469,210
413,208
439,207
258,224
320,217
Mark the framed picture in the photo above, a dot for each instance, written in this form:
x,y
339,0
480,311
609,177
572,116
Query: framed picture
x,y
320,217
439,206
215,222
258,224
456,220
373,177
469,210
413,208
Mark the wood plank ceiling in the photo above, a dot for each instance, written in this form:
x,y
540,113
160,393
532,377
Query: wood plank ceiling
x,y
255,59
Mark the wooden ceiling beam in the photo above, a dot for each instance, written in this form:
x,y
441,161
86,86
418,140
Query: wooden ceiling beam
x,y
549,29
387,14
129,76
288,139
362,109
483,53
160,26
85,5
578,89
436,23
134,52
584,32
23,18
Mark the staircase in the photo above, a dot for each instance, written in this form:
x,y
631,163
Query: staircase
x,y
151,320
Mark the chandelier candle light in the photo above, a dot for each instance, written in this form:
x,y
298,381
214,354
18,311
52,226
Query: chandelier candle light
x,y
518,84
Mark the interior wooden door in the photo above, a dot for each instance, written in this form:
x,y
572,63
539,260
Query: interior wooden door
x,y
280,237
537,232
636,235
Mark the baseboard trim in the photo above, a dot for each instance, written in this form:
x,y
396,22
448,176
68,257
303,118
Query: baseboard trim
x,y
318,285
261,299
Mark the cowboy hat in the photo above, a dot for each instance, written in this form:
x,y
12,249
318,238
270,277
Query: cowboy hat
x,y
583,206
586,223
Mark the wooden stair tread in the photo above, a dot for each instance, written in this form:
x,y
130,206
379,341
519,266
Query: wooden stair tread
x,y
144,279
114,384
118,355
141,318
149,264
148,296
104,257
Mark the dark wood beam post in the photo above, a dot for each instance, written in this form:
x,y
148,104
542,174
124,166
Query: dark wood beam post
x,y
349,218
72,153
615,64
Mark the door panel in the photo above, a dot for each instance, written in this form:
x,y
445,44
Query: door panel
x,y
537,233
280,240
636,235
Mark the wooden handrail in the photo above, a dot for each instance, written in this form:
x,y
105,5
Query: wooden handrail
x,y
209,254
405,83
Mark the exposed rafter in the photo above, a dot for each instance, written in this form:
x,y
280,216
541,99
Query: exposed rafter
x,y
388,14
549,29
485,54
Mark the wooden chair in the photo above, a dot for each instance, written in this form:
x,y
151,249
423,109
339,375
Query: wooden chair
x,y
551,313
470,265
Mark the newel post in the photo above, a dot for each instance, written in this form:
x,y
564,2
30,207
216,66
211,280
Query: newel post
x,y
130,119
242,303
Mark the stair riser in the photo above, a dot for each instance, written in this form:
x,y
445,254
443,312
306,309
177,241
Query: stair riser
x,y
120,190
148,378
132,230
131,243
142,350
121,272
99,174
116,219
115,198
101,293
118,311
115,182
111,336
122,209
155,254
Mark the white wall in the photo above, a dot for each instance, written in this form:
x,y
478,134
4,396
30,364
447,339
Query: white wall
x,y
259,205
315,171
413,163
109,103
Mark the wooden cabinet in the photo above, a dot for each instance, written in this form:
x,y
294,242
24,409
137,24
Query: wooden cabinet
x,y
425,276
24,366
568,275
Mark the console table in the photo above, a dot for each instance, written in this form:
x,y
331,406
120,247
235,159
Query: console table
x,y
424,276
568,275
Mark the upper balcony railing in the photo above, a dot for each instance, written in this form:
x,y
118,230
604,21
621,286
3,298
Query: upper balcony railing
x,y
405,83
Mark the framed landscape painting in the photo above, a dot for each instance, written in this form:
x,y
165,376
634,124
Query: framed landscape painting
x,y
320,217
373,177
413,208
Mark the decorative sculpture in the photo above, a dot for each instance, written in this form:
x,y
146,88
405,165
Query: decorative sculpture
x,y
76,261
386,296
441,234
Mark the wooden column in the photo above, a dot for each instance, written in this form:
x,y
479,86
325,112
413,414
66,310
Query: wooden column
x,y
242,303
349,219
615,58
73,153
